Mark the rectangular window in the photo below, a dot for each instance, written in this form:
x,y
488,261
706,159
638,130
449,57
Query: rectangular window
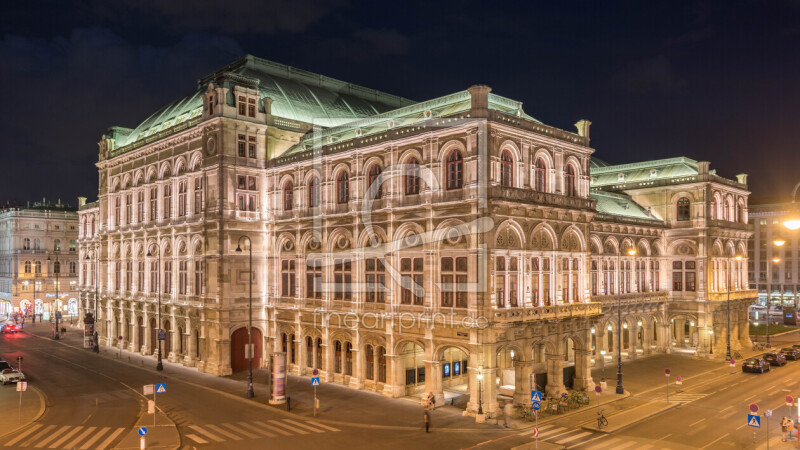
x,y
198,195
314,279
182,207
153,276
454,282
199,274
252,203
594,277
140,207
167,201
412,281
251,107
342,279
287,278
242,202
117,211
167,288
128,276
242,105
182,276
500,281
546,281
128,208
242,145
677,276
140,276
691,275
153,203
375,271
251,146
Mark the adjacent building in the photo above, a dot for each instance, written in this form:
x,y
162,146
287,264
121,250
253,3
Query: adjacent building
x,y
39,259
456,244
773,269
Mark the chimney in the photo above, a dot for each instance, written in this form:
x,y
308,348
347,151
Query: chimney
x,y
81,201
480,100
583,128
742,178
702,167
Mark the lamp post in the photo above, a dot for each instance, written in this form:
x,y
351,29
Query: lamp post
x,y
631,252
603,365
56,270
96,346
159,365
250,352
711,337
728,311
480,390
769,295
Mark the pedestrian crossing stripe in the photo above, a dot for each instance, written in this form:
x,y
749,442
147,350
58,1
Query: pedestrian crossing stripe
x,y
202,434
66,436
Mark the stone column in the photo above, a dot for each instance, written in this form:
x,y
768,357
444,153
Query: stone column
x,y
680,332
433,380
583,371
395,380
357,378
555,374
633,341
302,353
188,359
523,372
173,351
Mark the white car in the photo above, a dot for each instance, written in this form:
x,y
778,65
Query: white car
x,y
11,376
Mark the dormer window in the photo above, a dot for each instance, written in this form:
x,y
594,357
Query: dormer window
x,y
242,105
251,107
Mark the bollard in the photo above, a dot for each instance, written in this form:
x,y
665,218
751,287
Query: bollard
x,y
141,443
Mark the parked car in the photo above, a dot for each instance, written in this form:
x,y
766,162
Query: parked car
x,y
11,376
755,365
775,359
9,328
791,353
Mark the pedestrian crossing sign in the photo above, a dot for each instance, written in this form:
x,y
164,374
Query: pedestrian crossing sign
x,y
753,420
161,388
536,396
315,381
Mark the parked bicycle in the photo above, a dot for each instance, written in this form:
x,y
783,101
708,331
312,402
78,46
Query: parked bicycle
x,y
737,355
601,420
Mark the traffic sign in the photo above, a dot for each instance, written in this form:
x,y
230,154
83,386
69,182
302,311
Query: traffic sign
x,y
753,420
679,380
768,413
161,388
789,400
733,362
598,389
536,432
536,406
315,372
315,381
162,335
142,431
666,372
58,315
536,396
753,408
22,386
148,389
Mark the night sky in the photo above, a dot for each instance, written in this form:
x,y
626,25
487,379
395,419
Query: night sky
x,y
716,81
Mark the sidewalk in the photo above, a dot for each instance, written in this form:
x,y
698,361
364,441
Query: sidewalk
x,y
33,407
163,435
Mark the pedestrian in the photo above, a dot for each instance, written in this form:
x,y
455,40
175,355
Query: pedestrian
x,y
426,415
790,427
784,428
63,331
507,411
288,403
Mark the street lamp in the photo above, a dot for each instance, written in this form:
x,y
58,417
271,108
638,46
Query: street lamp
x,y
603,365
728,312
159,365
56,270
96,346
250,352
711,334
631,252
480,390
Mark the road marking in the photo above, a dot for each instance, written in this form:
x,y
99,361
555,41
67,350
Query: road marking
x,y
543,427
750,398
223,432
605,444
729,407
714,441
625,445
213,437
697,422
80,438
296,430
22,435
96,437
572,438
275,429
65,437
307,427
240,429
559,434
742,426
52,436
317,424
111,438
257,430
197,438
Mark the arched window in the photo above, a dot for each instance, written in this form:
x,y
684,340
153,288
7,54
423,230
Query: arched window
x,y
343,188
713,209
506,169
38,267
288,196
374,187
455,170
26,244
313,192
540,175
569,181
684,209
57,245
411,178
27,267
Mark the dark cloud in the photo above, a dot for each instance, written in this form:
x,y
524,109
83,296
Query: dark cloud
x,y
648,75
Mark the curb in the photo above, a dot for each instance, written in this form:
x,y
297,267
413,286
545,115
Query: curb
x,y
39,414
640,419
573,412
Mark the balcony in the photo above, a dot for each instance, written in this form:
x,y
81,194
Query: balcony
x,y
540,313
735,295
632,297
539,198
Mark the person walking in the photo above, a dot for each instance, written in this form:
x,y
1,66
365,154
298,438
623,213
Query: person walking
x,y
508,409
426,416
784,428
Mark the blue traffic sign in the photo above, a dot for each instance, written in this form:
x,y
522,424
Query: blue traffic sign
x,y
162,335
536,396
536,406
142,431
753,420
161,388
315,381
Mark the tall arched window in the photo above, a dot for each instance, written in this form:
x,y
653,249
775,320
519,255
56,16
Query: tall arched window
x,y
455,170
540,175
288,196
26,244
569,181
313,192
374,187
684,209
411,178
343,188
506,169
27,267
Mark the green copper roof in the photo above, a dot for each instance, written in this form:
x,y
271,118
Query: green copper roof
x,y
296,94
622,205
642,171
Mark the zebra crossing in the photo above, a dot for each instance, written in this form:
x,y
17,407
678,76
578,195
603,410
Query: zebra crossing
x,y
215,433
562,435
65,436
685,397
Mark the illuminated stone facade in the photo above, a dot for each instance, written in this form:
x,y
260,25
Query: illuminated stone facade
x,y
401,247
